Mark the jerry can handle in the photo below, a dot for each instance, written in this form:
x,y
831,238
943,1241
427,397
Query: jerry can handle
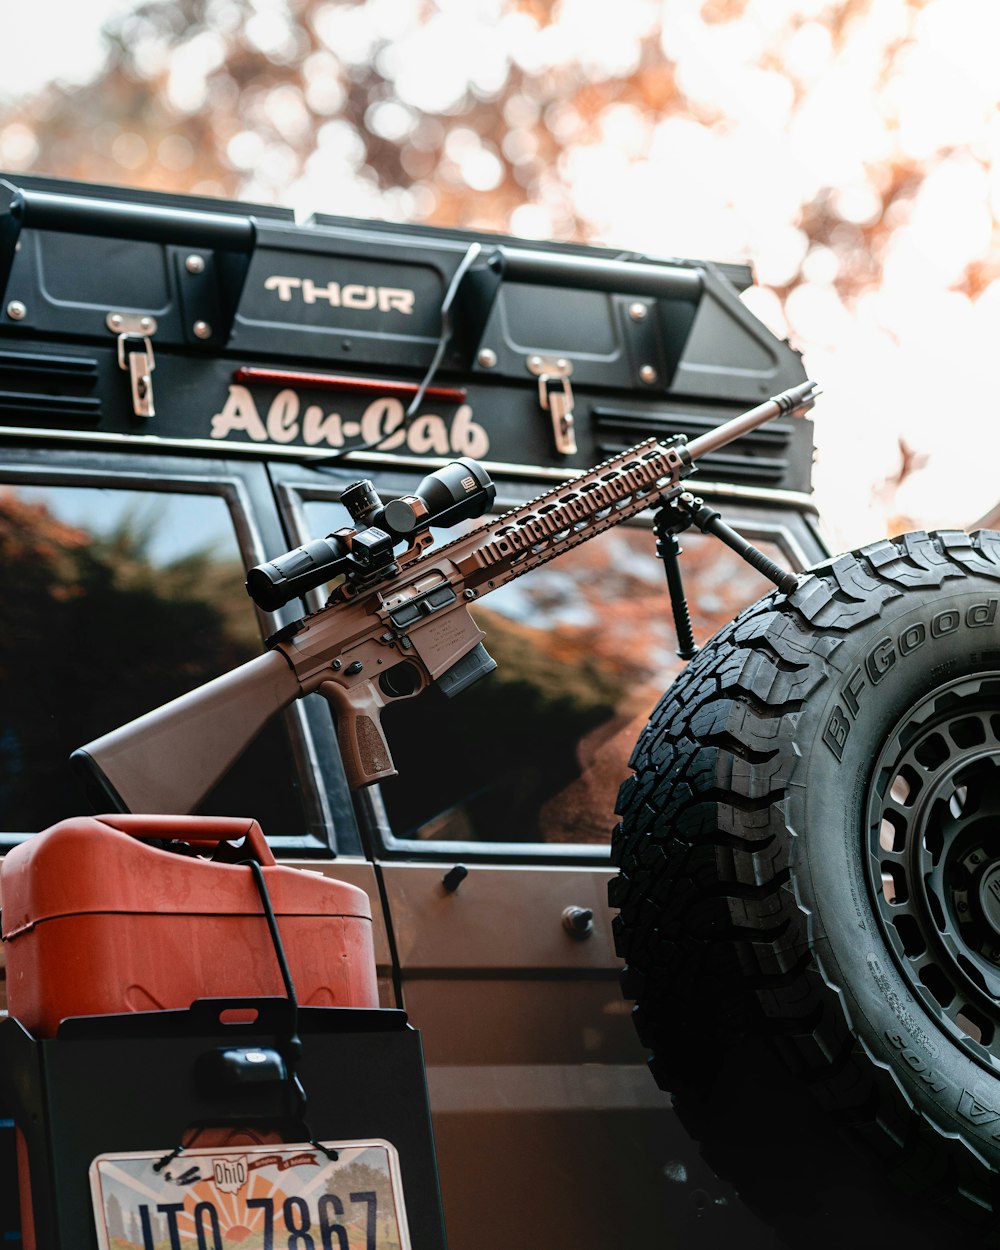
x,y
197,830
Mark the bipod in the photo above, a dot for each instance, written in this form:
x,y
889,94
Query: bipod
x,y
681,513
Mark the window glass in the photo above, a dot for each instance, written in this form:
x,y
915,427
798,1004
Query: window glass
x,y
584,646
114,602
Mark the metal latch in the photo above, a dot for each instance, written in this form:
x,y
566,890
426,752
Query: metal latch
x,y
135,354
556,397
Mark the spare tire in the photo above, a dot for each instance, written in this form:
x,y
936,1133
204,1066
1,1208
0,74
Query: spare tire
x,y
809,887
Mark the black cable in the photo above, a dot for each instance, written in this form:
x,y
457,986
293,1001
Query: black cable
x,y
294,1041
472,252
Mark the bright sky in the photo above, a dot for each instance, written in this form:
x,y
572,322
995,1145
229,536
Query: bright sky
x,y
49,39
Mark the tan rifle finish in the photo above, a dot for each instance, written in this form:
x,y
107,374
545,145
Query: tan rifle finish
x,y
363,651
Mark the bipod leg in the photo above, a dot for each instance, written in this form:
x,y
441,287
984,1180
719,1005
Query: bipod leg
x,y
710,522
667,524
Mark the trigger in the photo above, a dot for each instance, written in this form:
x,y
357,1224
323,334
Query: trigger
x,y
477,663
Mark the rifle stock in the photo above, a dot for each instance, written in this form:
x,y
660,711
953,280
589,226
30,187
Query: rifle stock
x,y
169,759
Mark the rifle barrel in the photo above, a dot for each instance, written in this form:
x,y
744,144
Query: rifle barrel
x,y
796,400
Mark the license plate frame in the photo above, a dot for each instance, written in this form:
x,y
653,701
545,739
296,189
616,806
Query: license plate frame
x,y
251,1198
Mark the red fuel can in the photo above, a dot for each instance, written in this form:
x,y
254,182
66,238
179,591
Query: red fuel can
x,y
96,921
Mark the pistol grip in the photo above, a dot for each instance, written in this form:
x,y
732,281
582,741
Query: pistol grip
x,y
363,746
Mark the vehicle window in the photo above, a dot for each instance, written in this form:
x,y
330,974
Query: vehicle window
x,y
584,648
116,601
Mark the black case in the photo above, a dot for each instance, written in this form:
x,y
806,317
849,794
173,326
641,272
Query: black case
x,y
268,337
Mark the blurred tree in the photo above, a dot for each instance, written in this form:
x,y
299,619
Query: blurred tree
x,y
360,1177
171,626
584,648
523,114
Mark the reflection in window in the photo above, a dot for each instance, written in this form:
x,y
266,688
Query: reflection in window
x,y
584,646
116,601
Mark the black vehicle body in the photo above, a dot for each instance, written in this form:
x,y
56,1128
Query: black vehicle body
x,y
219,358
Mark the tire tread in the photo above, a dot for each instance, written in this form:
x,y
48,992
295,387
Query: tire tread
x,y
709,926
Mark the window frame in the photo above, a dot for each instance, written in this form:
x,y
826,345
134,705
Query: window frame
x,y
244,488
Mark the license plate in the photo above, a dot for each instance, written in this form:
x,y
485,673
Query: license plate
x,y
252,1198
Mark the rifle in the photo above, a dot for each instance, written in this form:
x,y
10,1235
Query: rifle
x,y
397,623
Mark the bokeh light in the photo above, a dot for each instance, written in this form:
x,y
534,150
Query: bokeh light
x,y
849,149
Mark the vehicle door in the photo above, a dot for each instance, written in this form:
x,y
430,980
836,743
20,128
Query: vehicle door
x,y
491,847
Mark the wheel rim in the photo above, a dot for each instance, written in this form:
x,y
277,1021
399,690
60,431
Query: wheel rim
x,y
933,822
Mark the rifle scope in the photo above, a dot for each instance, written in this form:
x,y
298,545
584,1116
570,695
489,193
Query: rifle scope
x,y
457,492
